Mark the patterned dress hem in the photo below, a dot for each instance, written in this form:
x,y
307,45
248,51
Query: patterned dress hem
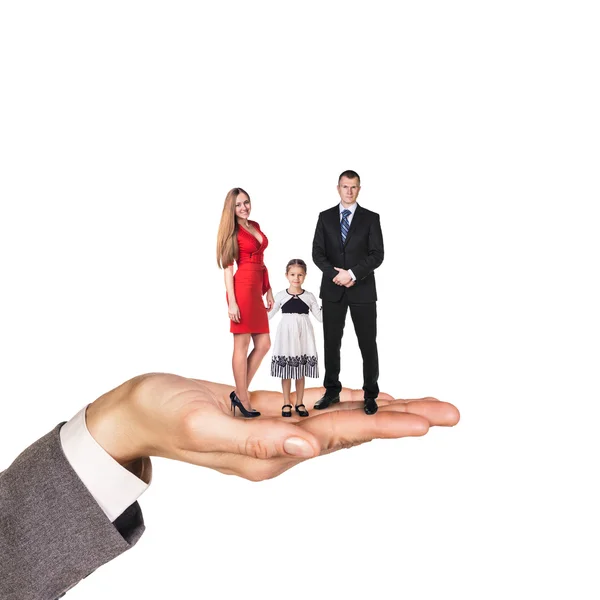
x,y
294,367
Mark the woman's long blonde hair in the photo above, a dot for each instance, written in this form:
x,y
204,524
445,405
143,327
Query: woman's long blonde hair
x,y
227,245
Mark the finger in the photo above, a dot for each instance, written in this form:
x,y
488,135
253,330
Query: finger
x,y
344,429
257,438
441,414
436,412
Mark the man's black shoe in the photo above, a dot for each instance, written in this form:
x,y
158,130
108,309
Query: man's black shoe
x,y
326,401
370,406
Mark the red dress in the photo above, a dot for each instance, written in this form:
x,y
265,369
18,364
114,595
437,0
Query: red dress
x,y
250,283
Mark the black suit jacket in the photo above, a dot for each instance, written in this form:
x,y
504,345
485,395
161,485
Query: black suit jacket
x,y
362,252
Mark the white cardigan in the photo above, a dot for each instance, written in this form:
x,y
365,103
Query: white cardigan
x,y
309,299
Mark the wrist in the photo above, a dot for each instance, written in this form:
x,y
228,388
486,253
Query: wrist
x,y
111,422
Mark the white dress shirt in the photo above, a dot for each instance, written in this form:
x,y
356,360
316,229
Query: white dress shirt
x,y
351,208
113,486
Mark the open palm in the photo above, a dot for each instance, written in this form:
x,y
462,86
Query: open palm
x,y
190,420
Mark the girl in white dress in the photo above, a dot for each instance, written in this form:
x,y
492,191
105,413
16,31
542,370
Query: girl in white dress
x,y
295,349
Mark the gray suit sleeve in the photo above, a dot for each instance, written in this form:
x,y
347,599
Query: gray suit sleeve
x,y
52,531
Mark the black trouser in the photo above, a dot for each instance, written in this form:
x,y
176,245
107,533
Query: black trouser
x,y
364,317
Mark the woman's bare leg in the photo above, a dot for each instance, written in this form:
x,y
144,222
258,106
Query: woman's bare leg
x,y
239,362
262,343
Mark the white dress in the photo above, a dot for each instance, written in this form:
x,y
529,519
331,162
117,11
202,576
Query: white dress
x,y
294,353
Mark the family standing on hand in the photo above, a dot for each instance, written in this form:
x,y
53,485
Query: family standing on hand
x,y
347,248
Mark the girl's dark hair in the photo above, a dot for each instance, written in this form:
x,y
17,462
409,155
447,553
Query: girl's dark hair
x,y
295,261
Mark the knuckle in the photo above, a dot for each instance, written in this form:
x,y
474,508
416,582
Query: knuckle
x,y
347,444
339,439
257,448
341,443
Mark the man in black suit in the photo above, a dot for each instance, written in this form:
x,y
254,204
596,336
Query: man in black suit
x,y
348,247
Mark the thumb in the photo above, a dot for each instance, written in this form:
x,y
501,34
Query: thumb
x,y
337,269
257,438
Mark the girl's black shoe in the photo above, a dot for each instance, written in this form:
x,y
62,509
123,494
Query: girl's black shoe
x,y
236,402
301,411
286,413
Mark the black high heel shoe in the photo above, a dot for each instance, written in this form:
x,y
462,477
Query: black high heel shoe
x,y
301,411
233,396
236,402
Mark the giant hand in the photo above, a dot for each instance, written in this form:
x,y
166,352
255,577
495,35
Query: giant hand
x,y
190,420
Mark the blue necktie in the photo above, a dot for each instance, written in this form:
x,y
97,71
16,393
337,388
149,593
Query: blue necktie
x,y
344,224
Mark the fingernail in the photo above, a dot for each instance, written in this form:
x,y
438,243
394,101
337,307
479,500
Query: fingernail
x,y
298,447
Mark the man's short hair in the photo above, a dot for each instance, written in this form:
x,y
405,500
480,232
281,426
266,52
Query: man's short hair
x,y
349,175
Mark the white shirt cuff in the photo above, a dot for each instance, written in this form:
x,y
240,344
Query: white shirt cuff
x,y
352,275
113,487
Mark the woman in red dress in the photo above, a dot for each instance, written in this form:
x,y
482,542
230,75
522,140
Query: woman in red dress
x,y
241,240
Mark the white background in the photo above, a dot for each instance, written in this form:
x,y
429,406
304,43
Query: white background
x,y
475,129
